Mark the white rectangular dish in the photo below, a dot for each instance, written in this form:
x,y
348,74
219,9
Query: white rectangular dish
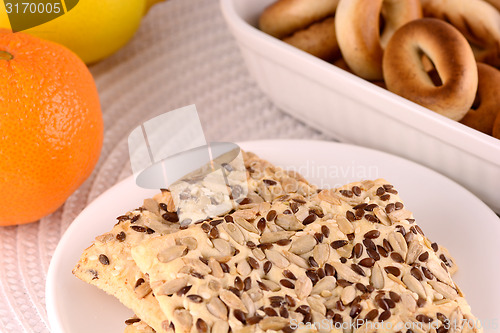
x,y
357,111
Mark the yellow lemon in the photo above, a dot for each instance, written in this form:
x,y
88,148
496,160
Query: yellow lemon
x,y
93,29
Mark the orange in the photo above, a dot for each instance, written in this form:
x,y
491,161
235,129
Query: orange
x,y
51,127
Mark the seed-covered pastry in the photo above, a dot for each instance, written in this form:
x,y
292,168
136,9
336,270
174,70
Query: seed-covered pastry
x,y
108,264
288,257
304,263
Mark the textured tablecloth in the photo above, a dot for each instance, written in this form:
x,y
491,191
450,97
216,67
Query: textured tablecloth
x,y
182,54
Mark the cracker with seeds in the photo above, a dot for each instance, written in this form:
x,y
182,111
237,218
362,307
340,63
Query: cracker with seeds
x,y
108,264
350,255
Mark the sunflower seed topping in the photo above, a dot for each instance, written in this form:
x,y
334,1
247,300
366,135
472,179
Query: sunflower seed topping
x,y
377,277
246,225
234,232
439,272
444,289
215,268
172,253
288,222
327,283
232,301
398,243
216,307
183,319
303,287
414,285
272,237
321,254
348,295
344,225
172,286
414,251
277,258
303,244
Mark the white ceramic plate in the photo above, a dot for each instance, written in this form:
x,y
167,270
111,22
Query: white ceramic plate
x,y
447,212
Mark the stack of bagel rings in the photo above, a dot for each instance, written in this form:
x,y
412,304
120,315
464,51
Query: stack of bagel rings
x,y
441,54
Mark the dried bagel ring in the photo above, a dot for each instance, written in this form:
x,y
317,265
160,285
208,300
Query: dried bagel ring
x,y
487,104
319,40
450,53
477,20
358,31
494,3
285,17
496,127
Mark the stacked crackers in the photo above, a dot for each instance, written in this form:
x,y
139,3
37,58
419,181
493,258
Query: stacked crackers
x,y
291,258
